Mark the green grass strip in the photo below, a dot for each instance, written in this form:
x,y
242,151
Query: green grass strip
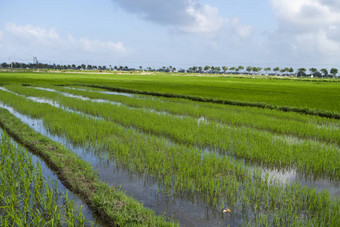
x,y
282,123
308,111
112,205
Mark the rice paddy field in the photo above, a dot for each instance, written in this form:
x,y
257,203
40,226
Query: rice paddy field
x,y
169,150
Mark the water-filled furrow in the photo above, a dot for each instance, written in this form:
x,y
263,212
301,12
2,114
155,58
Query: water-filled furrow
x,y
106,101
50,177
284,175
201,119
236,110
188,210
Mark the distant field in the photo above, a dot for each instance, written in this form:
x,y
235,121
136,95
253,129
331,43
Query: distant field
x,y
314,95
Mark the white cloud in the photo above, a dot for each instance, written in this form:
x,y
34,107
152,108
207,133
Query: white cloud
x,y
186,16
29,32
94,45
243,31
27,40
206,19
311,28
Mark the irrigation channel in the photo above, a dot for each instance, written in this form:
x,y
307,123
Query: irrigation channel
x,y
286,175
188,210
52,179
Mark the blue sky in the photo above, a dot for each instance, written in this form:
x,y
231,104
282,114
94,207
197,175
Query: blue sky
x,y
181,33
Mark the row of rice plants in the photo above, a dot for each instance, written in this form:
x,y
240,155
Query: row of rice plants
x,y
110,203
224,93
310,157
318,96
26,197
219,180
302,126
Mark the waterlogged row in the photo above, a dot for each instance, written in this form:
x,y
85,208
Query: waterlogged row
x,y
310,157
302,126
26,198
220,181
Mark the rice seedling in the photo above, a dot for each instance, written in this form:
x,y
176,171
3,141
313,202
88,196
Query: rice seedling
x,y
183,168
243,142
26,197
286,95
111,204
282,123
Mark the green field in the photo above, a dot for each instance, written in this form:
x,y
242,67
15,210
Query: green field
x,y
209,140
27,198
314,95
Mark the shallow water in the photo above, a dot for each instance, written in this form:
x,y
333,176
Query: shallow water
x,y
51,177
283,175
189,212
286,175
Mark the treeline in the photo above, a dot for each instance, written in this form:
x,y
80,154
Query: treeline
x,y
249,70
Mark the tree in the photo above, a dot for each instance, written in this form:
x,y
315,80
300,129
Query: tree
x,y
225,68
232,68
276,69
256,69
218,69
301,72
313,70
267,69
291,71
4,65
194,68
240,68
206,68
334,72
200,68
325,72
249,68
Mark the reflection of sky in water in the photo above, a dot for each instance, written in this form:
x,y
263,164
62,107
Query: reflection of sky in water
x,y
284,176
291,176
103,101
51,177
188,212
